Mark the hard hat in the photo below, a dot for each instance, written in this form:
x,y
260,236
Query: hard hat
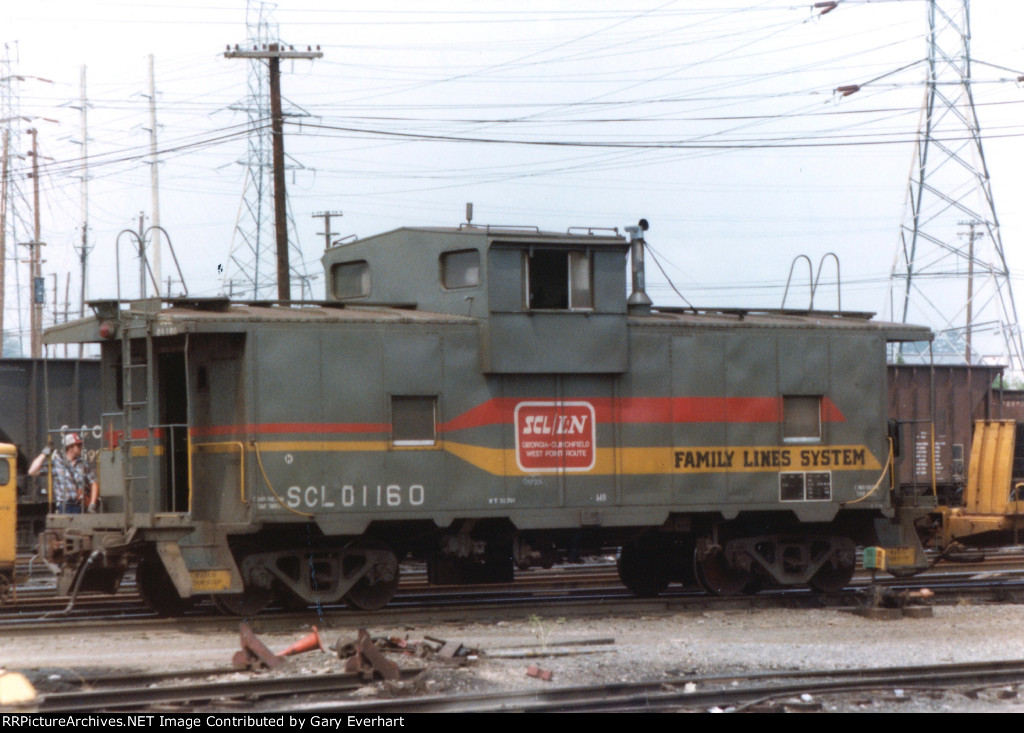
x,y
72,439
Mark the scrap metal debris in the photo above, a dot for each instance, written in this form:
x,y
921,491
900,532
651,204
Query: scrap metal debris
x,y
366,659
254,653
541,674
886,603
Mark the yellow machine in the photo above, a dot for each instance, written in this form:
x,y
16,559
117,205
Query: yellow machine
x,y
8,519
993,500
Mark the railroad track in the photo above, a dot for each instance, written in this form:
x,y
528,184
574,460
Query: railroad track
x,y
734,693
571,599
330,694
566,589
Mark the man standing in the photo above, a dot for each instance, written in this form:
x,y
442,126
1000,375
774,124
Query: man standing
x,y
72,477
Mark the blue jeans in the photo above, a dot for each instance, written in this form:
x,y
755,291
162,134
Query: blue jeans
x,y
69,507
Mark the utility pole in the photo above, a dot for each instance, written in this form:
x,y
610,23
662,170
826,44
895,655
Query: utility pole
x,y
972,235
154,177
142,256
84,249
3,230
327,233
85,200
274,53
35,266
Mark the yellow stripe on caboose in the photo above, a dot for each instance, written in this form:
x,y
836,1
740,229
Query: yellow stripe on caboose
x,y
624,460
667,460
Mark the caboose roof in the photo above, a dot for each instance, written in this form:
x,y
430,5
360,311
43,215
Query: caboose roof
x,y
782,319
196,315
494,234
169,317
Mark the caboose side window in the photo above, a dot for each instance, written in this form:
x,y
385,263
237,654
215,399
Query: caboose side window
x,y
801,419
558,280
460,269
413,420
351,279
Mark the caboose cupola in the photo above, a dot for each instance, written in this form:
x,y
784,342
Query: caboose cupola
x,y
548,303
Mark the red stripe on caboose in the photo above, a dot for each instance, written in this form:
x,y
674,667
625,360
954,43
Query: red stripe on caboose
x,y
654,410
501,411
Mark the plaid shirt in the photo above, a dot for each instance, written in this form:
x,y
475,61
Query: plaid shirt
x,y
71,481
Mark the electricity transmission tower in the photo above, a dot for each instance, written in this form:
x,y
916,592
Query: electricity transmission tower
x,y
950,271
265,256
15,223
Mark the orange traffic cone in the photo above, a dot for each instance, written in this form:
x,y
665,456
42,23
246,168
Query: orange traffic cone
x,y
307,643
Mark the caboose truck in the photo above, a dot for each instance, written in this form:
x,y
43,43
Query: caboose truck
x,y
484,398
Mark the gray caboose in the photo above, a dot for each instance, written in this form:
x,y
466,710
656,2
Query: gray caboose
x,y
485,399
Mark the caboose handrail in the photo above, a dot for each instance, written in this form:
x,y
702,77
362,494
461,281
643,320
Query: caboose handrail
x,y
814,279
821,266
878,483
810,277
266,479
141,240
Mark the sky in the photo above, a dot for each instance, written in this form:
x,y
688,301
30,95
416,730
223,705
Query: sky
x,y
717,121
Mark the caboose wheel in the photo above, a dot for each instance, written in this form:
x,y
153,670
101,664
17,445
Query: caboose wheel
x,y
157,589
249,602
6,590
831,579
377,587
288,601
643,571
717,578
254,597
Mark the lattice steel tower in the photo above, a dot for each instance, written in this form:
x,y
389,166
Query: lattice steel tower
x,y
950,271
15,210
252,263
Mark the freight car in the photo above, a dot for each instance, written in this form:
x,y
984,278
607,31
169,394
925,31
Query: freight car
x,y
485,398
938,406
8,522
36,394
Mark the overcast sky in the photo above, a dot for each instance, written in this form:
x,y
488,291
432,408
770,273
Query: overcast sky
x,y
716,121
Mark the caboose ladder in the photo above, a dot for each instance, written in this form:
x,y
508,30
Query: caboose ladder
x,y
137,430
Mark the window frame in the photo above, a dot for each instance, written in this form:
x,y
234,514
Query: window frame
x,y
414,442
451,254
365,274
571,258
787,405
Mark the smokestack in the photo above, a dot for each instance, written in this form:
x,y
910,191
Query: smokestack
x,y
638,303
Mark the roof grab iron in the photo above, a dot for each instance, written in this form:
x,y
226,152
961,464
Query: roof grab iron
x,y
815,279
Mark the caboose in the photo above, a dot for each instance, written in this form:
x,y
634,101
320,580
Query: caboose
x,y
486,399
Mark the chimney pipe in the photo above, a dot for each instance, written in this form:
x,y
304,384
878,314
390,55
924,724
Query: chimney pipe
x,y
638,303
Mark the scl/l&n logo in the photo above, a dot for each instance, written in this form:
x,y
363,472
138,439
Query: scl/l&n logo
x,y
555,436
